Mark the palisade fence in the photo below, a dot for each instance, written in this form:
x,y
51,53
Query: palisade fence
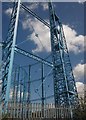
x,y
38,111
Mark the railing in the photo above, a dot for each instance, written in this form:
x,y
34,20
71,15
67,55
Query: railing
x,y
29,111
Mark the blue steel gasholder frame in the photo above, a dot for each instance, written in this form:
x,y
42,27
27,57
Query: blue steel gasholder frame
x,y
64,84
9,52
65,92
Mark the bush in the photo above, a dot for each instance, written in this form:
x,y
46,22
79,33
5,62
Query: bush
x,y
80,111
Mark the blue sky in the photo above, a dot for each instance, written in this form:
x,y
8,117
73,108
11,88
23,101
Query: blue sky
x,y
72,17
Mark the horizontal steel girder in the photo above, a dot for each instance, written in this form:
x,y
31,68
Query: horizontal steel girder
x,y
37,58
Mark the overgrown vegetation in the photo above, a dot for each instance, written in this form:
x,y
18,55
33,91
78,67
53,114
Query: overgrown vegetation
x,y
80,111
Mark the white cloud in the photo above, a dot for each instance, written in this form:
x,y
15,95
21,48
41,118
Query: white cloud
x,y
75,42
33,5
43,34
8,11
80,88
81,1
79,72
45,6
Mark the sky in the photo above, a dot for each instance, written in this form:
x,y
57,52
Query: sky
x,y
34,37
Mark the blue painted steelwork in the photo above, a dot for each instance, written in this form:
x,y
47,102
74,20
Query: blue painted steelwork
x,y
35,15
17,84
29,78
16,14
65,92
8,54
35,57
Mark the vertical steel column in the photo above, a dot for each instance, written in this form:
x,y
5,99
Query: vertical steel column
x,y
23,85
42,68
13,95
24,93
17,85
14,88
64,84
29,74
20,91
12,56
59,72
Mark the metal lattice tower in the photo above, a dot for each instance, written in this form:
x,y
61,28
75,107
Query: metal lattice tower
x,y
65,93
64,84
8,54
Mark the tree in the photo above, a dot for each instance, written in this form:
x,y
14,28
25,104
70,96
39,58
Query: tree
x,y
80,111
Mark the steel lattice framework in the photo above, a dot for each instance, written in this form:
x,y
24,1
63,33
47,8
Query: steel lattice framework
x,y
8,54
64,83
65,93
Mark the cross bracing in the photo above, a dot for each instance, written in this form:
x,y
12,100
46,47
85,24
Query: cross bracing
x,y
65,93
63,75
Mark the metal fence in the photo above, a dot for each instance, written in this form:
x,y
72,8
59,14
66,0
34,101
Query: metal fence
x,y
37,111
